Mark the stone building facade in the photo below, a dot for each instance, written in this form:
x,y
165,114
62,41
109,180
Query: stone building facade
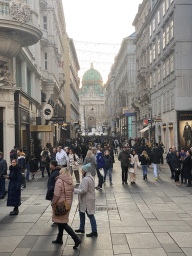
x,y
31,73
92,102
120,89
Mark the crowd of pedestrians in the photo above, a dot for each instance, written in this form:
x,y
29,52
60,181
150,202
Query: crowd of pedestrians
x,y
96,158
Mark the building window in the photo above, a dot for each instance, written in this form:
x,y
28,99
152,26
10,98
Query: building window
x,y
159,74
150,81
171,64
150,31
46,67
159,105
154,78
45,22
164,70
168,72
163,9
168,101
164,103
154,24
167,4
159,46
158,17
172,99
28,82
18,73
167,35
150,56
163,40
154,52
171,30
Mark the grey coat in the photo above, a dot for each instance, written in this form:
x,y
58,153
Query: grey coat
x,y
93,163
86,192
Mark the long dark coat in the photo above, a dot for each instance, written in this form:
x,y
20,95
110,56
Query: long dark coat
x,y
14,190
51,183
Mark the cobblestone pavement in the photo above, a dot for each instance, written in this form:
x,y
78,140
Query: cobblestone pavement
x,y
148,218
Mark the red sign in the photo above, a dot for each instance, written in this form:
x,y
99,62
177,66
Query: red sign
x,y
146,122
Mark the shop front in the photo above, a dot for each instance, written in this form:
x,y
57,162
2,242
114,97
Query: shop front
x,y
184,129
26,112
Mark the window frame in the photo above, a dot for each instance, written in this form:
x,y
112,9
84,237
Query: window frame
x,y
46,61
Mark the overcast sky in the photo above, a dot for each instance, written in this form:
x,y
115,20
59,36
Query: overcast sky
x,y
100,21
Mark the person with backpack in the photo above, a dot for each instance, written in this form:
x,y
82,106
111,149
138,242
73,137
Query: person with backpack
x,y
45,161
33,164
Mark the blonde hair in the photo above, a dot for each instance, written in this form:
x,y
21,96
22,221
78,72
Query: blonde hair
x,y
65,171
89,153
145,154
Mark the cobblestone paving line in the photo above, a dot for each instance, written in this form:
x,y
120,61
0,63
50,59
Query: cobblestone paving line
x,y
148,218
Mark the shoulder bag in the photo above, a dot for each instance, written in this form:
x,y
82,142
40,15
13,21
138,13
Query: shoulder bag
x,y
61,208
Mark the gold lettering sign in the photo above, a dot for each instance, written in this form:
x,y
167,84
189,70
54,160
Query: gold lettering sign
x,y
41,128
24,101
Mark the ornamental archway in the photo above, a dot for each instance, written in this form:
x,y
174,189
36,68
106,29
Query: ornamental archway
x,y
91,123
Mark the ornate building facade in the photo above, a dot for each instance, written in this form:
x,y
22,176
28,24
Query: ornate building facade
x,y
92,102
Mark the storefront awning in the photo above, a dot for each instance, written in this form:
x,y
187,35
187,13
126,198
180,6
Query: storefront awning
x,y
145,129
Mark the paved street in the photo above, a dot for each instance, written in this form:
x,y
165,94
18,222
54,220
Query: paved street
x,y
149,218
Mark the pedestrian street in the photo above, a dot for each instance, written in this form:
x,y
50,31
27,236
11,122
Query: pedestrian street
x,y
148,218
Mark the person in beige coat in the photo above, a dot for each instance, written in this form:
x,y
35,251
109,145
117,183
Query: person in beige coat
x,y
64,191
86,192
133,166
73,165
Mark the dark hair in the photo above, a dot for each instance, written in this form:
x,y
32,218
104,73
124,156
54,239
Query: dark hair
x,y
13,160
54,162
1,154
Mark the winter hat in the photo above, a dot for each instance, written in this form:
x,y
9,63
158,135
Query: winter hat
x,y
87,167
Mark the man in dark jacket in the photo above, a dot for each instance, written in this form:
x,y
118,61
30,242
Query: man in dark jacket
x,y
124,158
3,171
168,158
52,179
156,159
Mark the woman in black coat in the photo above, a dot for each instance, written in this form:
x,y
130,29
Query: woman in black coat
x,y
33,166
177,166
187,168
14,189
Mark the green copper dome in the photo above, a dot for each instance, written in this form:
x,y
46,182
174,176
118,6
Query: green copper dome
x,y
92,75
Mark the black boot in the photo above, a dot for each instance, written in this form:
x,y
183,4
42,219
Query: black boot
x,y
58,241
79,231
77,243
14,212
92,234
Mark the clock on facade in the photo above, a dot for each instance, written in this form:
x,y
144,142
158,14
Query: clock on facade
x,y
48,111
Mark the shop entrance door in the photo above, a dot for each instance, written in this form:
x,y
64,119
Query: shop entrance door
x,y
1,129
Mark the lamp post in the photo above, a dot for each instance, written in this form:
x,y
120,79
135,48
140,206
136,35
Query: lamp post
x,y
92,109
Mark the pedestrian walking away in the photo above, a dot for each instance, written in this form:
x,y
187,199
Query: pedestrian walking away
x,y
63,192
45,161
144,159
90,158
156,159
86,192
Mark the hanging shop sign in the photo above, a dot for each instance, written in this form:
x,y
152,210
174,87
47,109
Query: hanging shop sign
x,y
170,125
41,128
164,126
48,112
129,112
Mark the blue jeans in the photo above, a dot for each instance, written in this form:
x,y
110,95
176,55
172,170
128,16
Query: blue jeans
x,y
156,168
92,221
110,177
144,168
28,171
43,169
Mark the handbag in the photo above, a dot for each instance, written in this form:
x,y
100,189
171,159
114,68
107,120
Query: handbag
x,y
101,172
132,165
61,208
131,170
